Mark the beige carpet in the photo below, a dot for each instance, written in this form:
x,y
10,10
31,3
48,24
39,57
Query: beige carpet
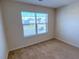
x,y
52,49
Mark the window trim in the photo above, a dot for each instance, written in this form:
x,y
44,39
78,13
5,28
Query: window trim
x,y
37,34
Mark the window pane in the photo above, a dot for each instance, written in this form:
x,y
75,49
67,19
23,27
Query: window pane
x,y
29,30
34,23
28,17
28,21
42,18
41,28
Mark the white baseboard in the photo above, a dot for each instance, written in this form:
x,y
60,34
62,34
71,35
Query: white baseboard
x,y
61,39
33,43
68,42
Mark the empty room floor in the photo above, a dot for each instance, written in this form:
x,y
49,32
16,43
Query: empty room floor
x,y
52,49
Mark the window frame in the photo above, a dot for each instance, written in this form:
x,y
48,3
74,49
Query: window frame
x,y
36,27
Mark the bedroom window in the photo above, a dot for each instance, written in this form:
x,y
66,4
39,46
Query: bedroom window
x,y
34,23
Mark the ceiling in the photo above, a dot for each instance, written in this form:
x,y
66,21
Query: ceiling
x,y
49,3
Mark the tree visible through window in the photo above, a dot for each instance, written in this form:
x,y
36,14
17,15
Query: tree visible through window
x,y
34,23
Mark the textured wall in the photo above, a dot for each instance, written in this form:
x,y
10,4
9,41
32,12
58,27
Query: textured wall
x,y
67,27
14,30
3,45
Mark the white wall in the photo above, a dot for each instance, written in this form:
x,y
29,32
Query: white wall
x,y
14,27
67,27
3,46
